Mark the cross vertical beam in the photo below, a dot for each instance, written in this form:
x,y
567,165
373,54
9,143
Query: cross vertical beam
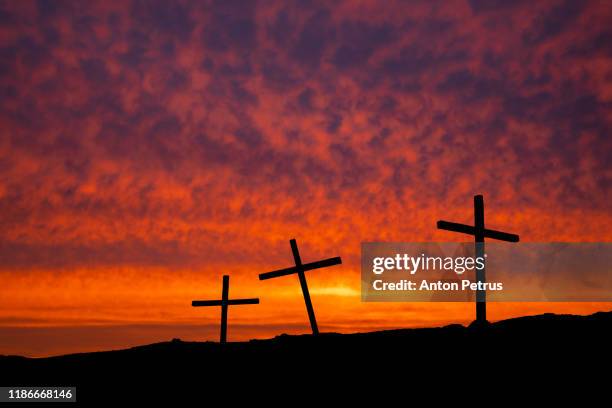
x,y
479,236
224,304
304,285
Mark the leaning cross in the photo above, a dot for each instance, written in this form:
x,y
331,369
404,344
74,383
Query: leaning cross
x,y
480,233
224,303
300,268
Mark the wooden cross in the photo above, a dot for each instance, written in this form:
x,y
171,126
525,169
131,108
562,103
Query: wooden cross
x,y
224,303
300,268
479,232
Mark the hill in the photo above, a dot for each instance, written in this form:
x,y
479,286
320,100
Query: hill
x,y
537,346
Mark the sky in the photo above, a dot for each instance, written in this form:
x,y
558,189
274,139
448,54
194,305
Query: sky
x,y
149,147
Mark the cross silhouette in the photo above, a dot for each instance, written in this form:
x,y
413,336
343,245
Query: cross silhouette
x,y
479,232
299,269
224,303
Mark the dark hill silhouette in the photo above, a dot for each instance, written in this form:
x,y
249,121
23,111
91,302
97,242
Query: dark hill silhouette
x,y
526,349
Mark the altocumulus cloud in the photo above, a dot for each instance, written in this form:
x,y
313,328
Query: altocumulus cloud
x,y
150,132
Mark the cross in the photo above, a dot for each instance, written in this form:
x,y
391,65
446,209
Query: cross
x,y
299,269
224,303
479,232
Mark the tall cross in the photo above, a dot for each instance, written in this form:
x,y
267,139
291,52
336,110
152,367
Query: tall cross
x,y
479,232
224,303
300,268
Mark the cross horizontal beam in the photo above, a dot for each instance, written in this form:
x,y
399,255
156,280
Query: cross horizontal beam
x,y
470,230
305,267
251,301
206,303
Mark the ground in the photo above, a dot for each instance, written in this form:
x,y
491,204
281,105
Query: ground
x,y
528,350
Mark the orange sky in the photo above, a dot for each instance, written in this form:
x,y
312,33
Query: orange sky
x,y
146,149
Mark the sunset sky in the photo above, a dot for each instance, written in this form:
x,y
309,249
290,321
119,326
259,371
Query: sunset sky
x,y
149,147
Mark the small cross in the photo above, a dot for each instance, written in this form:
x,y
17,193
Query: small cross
x,y
299,269
479,232
224,303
